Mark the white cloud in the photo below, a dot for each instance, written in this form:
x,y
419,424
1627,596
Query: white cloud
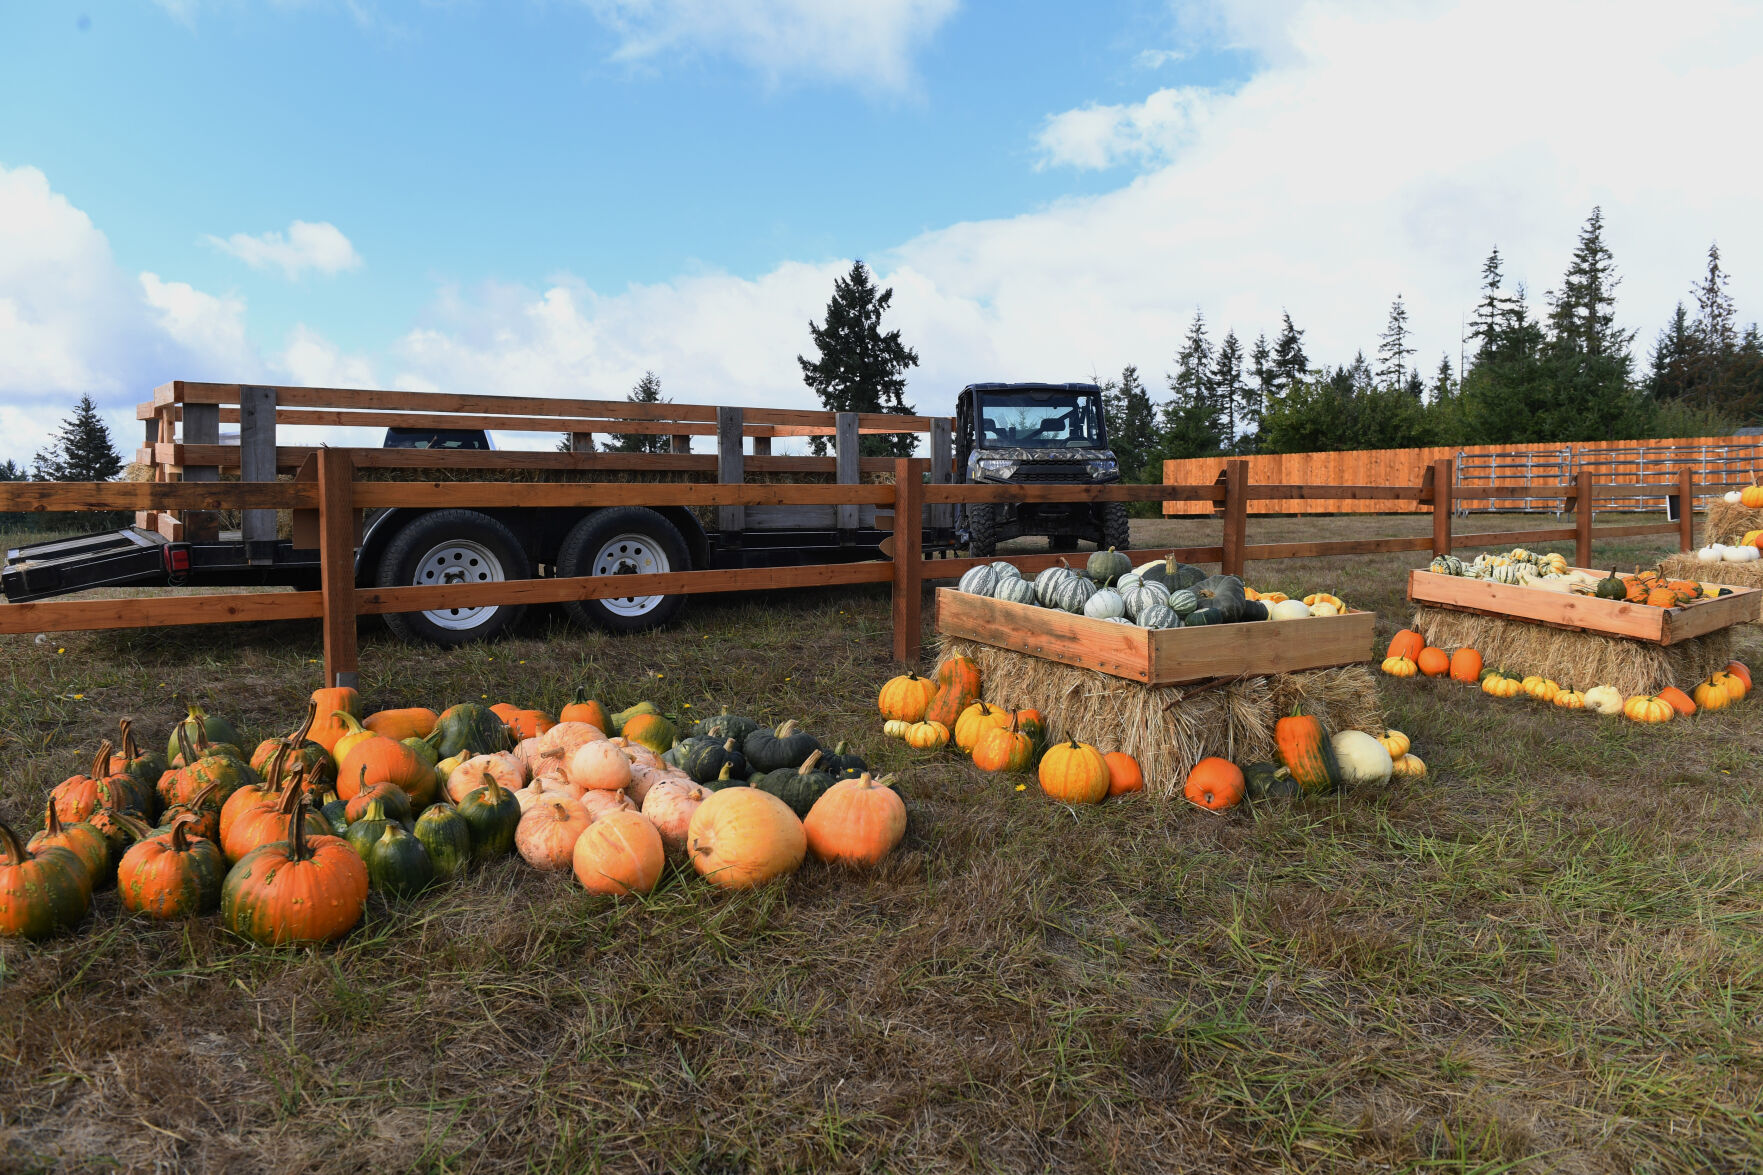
x,y
869,44
320,247
202,323
1095,137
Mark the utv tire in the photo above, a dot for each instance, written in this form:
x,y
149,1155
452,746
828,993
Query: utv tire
x,y
982,529
1116,526
624,540
1061,542
453,546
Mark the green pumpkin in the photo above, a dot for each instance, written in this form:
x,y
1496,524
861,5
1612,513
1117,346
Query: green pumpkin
x,y
1171,574
1182,601
1071,594
362,834
1014,589
1158,616
624,716
798,788
1265,780
1202,616
1223,593
1611,588
425,750
447,837
841,764
398,864
786,747
334,810
978,581
62,892
704,758
1254,610
1107,566
493,813
202,727
726,726
470,728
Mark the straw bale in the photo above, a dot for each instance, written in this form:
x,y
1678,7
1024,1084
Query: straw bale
x,y
1748,575
1576,659
1170,728
1728,522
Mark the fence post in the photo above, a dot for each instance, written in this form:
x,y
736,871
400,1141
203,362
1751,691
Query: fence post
x,y
1686,509
942,460
257,463
336,555
1444,472
201,427
1236,516
846,442
731,469
1582,520
908,561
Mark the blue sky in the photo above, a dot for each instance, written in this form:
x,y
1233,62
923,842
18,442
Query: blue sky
x,y
552,196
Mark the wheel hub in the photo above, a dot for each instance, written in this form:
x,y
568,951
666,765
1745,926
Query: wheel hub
x,y
453,562
631,554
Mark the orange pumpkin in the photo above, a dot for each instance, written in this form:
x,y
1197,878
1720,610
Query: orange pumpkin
x,y
741,837
1123,773
1214,783
1399,667
1075,773
670,806
1738,670
1751,497
1678,700
1434,662
172,875
529,723
266,822
1003,748
1406,643
295,888
905,697
1466,666
77,796
382,760
948,704
410,722
600,766
585,709
1709,696
547,833
975,721
1735,686
649,730
331,704
856,821
618,854
960,672
78,838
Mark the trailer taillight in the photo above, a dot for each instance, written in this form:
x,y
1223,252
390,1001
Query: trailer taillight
x,y
177,559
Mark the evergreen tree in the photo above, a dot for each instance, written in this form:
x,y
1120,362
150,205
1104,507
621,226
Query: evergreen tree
x,y
1132,425
11,470
1673,358
1228,388
1583,318
1587,355
82,449
1290,364
1256,391
1491,313
1444,386
1191,424
1715,315
1393,349
1506,395
646,391
860,369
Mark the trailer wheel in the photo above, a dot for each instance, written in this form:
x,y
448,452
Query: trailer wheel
x,y
1116,526
982,530
625,540
453,546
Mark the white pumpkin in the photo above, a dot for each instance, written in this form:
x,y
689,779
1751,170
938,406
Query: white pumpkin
x,y
1732,496
1362,759
1710,553
1289,610
1738,554
1604,699
1106,604
1324,608
1127,582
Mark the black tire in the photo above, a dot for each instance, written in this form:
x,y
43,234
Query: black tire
x,y
652,544
982,530
1061,542
1116,526
453,546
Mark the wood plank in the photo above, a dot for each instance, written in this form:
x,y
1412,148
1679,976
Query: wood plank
x,y
942,469
1686,512
1443,505
1556,609
1496,538
1338,547
908,566
1584,508
730,467
1236,515
40,496
1334,493
257,464
1032,564
480,495
1119,492
1706,616
170,529
613,426
201,427
375,601
845,455
336,553
157,611
290,457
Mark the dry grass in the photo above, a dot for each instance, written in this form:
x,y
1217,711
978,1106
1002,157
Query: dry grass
x,y
1728,522
1545,957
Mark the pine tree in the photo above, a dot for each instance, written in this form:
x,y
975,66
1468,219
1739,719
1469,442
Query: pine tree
x,y
1583,317
860,368
1290,364
646,391
1228,388
1444,386
1132,425
1191,424
1587,354
1492,312
82,449
1672,358
1393,349
11,470
1257,390
1715,315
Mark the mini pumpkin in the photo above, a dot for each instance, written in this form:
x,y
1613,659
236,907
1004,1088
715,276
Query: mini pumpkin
x,y
1400,667
927,736
1570,699
1074,772
1214,783
1678,701
1395,742
1124,775
1434,662
1540,688
1408,767
1466,666
1709,696
1736,687
1648,709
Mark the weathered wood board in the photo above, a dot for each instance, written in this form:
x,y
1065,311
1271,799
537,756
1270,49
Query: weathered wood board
x,y
1617,618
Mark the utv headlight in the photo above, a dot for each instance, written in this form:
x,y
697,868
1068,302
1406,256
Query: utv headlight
x,y
1103,470
1002,470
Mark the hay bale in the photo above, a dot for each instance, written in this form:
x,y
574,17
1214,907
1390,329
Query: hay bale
x,y
1747,575
1170,728
1577,659
1728,522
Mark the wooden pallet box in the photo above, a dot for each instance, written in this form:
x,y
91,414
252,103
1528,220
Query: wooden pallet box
x,y
1612,618
1159,656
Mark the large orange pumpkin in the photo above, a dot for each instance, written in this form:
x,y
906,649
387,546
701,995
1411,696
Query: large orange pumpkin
x,y
301,889
1003,748
1075,773
410,722
975,721
77,796
41,890
1738,670
172,874
856,821
78,838
1214,783
331,704
600,766
382,760
1124,774
1406,643
742,837
267,821
1678,700
905,697
548,831
620,853
1466,666
1434,662
585,709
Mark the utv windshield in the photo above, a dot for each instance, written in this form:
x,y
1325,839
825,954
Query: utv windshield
x,y
1038,420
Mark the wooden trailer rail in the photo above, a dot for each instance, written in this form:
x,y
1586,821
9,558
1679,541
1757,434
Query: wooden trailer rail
x,y
337,496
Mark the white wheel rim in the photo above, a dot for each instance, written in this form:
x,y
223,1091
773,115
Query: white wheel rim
x,y
459,561
631,554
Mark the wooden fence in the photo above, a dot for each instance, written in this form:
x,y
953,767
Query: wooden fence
x,y
337,495
1407,466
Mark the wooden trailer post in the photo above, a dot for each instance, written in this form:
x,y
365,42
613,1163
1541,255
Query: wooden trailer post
x,y
942,466
149,519
336,553
846,450
1444,473
731,469
679,444
257,463
1686,510
908,561
1582,519
201,427
1236,516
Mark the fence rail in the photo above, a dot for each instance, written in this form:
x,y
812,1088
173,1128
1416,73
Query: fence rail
x,y
338,495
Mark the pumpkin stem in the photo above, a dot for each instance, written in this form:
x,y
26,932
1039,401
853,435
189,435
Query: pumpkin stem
x,y
201,797
352,723
188,751
305,727
297,830
52,825
101,761
786,729
291,791
134,827
129,750
807,767
180,836
493,788
11,848
727,771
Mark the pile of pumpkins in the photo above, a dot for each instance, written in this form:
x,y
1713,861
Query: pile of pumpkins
x,y
1311,761
933,713
1751,497
1410,656
285,843
1748,549
1160,594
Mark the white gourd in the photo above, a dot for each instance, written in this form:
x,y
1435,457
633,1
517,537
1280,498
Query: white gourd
x,y
1144,595
979,581
1363,760
1289,610
1015,589
1104,604
1007,569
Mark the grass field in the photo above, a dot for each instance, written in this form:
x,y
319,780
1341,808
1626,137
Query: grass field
x,y
1548,956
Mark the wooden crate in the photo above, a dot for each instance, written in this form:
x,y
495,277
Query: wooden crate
x,y
1159,656
1618,618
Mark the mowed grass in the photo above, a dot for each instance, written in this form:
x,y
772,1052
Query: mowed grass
x,y
1547,956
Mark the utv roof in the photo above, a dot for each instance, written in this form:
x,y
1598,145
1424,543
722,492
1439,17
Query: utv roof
x,y
1032,387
